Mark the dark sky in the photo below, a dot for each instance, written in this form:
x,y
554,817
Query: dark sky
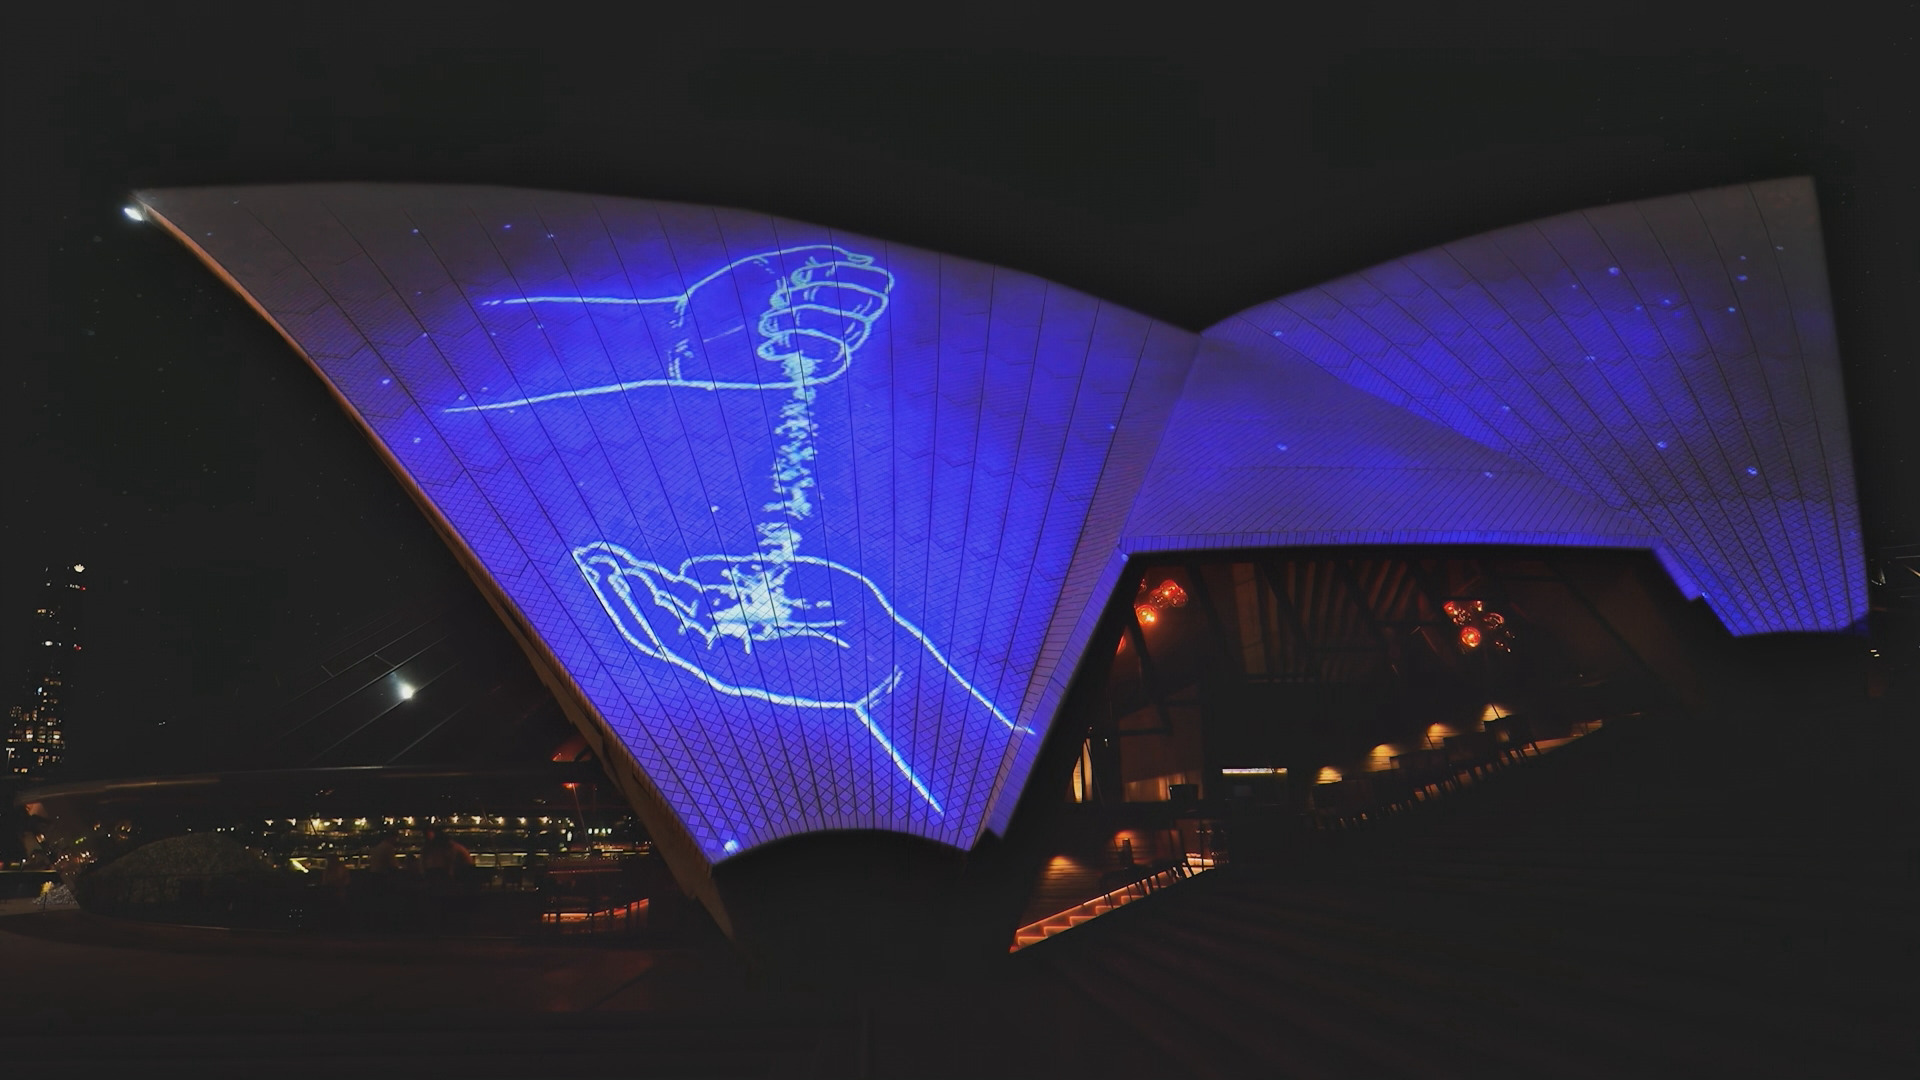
x,y
159,432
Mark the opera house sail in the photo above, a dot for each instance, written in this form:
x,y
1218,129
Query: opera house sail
x,y
809,530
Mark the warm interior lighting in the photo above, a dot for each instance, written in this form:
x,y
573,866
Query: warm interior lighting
x,y
1169,594
1329,775
1479,626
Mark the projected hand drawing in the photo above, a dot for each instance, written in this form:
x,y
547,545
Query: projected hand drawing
x,y
791,629
808,534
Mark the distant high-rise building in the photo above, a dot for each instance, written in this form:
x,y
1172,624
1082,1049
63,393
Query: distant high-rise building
x,y
35,735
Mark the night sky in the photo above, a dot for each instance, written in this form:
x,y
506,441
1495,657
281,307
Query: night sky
x,y
163,435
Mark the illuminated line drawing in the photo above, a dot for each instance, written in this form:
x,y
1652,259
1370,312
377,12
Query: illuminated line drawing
x,y
780,324
748,603
816,317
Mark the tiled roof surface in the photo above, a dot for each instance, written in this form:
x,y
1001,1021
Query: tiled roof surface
x,y
1673,359
820,526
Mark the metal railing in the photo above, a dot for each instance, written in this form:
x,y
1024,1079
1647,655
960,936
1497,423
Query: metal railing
x,y
1144,881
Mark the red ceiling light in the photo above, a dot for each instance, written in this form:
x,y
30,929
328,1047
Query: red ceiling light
x,y
1168,594
1478,626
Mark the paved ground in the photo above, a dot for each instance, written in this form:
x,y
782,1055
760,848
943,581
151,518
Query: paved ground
x,y
1620,910
66,955
93,996
85,993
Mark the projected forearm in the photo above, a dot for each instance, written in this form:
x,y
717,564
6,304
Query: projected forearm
x,y
812,321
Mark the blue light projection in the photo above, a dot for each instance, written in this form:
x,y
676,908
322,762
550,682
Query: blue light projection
x,y
1352,469
809,521
820,527
794,326
815,319
1673,359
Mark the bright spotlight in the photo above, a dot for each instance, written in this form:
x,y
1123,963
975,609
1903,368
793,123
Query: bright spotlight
x,y
133,213
406,692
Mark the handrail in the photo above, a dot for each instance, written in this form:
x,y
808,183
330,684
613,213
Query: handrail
x,y
1041,929
1429,785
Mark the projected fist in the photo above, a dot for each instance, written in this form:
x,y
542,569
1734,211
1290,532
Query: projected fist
x,y
790,630
781,318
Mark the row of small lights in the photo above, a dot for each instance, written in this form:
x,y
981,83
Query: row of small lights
x,y
1331,775
361,823
1478,626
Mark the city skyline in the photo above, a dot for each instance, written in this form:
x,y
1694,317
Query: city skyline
x,y
35,733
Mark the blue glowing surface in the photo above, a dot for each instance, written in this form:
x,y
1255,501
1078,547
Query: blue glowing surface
x,y
821,526
795,510
1672,359
1265,449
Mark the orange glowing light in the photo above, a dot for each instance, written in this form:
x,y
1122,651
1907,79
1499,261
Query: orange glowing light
x,y
638,907
1169,594
1147,614
1470,636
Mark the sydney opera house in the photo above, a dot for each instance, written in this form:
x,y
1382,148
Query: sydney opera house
x,y
921,609
813,532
